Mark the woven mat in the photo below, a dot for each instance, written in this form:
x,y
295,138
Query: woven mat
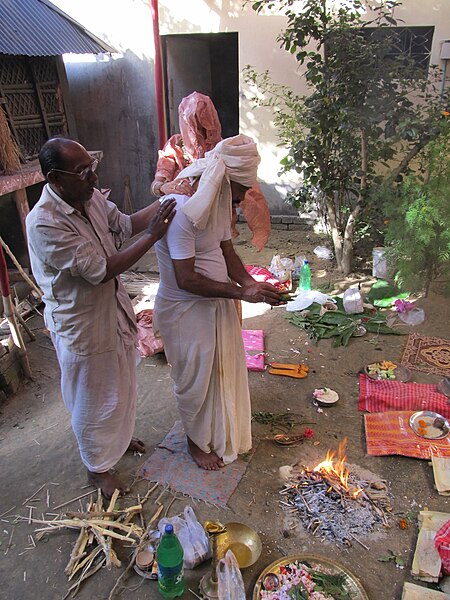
x,y
390,433
428,354
383,396
172,465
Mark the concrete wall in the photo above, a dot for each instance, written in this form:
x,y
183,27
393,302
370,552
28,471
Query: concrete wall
x,y
113,97
115,101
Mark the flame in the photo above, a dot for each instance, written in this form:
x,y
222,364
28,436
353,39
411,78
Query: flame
x,y
335,470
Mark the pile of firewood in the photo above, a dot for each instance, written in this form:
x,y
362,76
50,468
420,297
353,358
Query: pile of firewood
x,y
99,528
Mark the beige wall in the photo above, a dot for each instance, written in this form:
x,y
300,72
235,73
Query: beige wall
x,y
259,48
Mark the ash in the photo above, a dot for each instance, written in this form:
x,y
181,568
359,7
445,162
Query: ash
x,y
328,511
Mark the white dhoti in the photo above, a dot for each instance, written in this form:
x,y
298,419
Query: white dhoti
x,y
203,344
100,393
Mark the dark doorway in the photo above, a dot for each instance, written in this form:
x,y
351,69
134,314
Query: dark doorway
x,y
206,63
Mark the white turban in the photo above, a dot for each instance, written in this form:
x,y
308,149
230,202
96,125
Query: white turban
x,y
235,159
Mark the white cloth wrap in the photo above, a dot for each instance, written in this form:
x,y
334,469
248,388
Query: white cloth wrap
x,y
203,343
235,159
100,393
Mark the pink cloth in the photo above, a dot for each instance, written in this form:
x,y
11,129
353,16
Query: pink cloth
x,y
147,344
200,132
199,124
254,349
383,396
442,543
263,275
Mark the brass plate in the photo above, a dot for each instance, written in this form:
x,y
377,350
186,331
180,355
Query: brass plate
x,y
318,563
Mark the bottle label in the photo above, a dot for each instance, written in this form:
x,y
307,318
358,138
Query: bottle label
x,y
170,576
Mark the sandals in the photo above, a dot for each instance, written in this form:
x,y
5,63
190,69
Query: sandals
x,y
299,371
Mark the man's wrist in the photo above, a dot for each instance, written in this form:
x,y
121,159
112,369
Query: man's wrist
x,y
156,187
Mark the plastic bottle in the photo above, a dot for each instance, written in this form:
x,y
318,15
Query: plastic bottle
x,y
305,277
169,557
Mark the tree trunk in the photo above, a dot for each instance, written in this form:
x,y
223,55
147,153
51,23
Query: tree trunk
x,y
334,228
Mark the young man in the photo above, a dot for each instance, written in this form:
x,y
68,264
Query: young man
x,y
201,276
74,239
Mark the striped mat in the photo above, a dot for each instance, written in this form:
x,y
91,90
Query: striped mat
x,y
383,395
390,433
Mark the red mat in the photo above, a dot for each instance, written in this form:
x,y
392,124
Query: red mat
x,y
383,396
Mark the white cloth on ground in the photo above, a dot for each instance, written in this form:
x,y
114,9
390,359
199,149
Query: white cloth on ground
x,y
100,393
234,158
203,343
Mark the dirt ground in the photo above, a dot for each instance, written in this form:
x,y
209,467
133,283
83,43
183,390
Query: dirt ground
x,y
37,448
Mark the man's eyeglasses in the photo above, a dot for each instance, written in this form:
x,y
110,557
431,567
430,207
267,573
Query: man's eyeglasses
x,y
82,175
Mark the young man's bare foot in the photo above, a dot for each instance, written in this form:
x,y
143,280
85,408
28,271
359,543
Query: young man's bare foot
x,y
205,460
136,446
108,483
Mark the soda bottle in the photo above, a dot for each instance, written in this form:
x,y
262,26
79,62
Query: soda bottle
x,y
305,277
169,557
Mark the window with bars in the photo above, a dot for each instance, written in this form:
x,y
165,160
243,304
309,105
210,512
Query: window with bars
x,y
30,96
414,42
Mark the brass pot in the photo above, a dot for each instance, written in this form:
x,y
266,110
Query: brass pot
x,y
243,541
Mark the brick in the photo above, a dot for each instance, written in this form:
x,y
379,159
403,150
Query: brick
x,y
275,219
280,226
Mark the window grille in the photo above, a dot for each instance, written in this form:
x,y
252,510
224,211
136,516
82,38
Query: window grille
x,y
30,95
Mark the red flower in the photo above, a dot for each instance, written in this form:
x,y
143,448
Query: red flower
x,y
308,433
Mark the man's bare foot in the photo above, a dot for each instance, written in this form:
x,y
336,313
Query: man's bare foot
x,y
136,446
108,483
205,460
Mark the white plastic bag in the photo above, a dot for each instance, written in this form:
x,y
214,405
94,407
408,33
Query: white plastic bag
x,y
229,577
353,302
414,316
323,252
192,537
305,298
281,268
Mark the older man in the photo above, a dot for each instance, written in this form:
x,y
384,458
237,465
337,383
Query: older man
x,y
201,276
74,239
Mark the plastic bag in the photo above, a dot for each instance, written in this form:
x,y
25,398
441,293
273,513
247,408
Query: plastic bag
x,y
281,268
353,302
323,252
192,537
229,577
415,316
306,298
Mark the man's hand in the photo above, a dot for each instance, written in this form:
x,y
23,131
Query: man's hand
x,y
178,186
161,220
261,292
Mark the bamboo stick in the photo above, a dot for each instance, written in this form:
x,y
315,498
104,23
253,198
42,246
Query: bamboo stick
x,y
20,269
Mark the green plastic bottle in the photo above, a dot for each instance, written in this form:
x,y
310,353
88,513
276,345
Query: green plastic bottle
x,y
169,557
305,277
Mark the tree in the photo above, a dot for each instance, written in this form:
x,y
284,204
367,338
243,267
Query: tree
x,y
369,112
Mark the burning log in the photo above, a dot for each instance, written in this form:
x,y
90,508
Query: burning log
x,y
331,503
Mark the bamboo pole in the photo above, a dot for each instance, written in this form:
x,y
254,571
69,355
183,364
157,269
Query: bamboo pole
x,y
20,269
10,316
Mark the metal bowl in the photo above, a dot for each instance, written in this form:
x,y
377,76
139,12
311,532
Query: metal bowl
x,y
243,541
436,426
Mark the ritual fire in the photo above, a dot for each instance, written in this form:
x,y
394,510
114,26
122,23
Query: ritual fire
x,y
332,503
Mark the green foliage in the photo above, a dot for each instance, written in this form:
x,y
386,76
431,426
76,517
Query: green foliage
x,y
359,115
418,210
